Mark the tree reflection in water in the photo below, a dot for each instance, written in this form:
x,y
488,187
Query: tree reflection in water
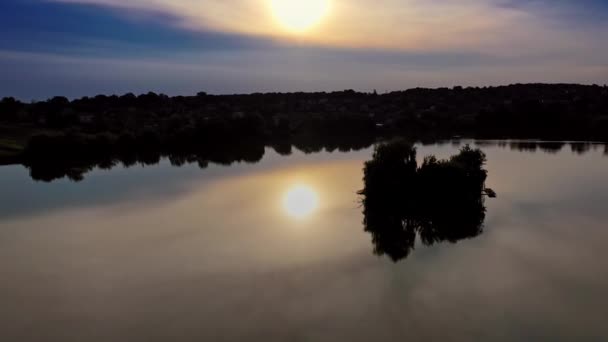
x,y
440,200
74,155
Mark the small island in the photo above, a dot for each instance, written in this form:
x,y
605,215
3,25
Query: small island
x,y
440,200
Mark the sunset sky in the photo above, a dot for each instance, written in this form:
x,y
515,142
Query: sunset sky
x,y
85,47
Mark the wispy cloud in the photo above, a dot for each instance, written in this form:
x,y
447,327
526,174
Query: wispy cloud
x,y
497,26
41,75
84,47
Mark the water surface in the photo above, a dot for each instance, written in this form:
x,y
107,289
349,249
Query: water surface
x,y
163,253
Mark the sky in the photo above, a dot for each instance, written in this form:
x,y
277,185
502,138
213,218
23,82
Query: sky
x,y
80,48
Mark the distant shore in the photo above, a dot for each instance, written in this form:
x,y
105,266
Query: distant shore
x,y
61,131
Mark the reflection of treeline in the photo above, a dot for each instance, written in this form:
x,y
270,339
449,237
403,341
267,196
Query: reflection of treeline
x,y
550,147
440,200
72,155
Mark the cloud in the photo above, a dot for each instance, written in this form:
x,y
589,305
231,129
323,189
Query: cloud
x,y
86,47
490,26
40,75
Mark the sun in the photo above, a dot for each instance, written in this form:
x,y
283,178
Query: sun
x,y
300,201
299,15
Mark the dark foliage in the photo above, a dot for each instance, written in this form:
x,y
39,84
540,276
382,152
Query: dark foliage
x,y
540,111
72,155
147,126
440,200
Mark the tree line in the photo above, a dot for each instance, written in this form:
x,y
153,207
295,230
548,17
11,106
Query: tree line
x,y
60,129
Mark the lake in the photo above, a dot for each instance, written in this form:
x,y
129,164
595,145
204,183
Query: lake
x,y
277,250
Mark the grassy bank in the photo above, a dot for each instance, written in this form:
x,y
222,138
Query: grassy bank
x,y
14,139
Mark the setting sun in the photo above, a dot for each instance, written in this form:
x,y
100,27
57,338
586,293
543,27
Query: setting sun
x,y
299,15
300,201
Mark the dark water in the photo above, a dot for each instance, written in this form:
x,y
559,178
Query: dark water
x,y
183,254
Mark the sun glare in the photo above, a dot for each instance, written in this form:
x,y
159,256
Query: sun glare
x,y
299,15
300,201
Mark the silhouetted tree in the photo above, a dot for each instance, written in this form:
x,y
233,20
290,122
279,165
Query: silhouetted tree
x,y
442,200
144,127
580,147
9,109
551,146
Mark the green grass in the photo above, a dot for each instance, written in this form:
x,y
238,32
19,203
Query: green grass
x,y
10,148
10,145
13,140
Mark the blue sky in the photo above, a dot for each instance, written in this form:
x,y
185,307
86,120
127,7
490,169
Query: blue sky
x,y
85,47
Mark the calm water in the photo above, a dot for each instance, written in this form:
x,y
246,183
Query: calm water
x,y
277,251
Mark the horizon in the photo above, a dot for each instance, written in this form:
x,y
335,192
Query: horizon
x,y
387,92
77,48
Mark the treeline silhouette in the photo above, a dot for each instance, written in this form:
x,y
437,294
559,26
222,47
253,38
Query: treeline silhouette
x,y
151,125
440,200
541,111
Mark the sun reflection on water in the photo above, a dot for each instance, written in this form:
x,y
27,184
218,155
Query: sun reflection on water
x,y
300,201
